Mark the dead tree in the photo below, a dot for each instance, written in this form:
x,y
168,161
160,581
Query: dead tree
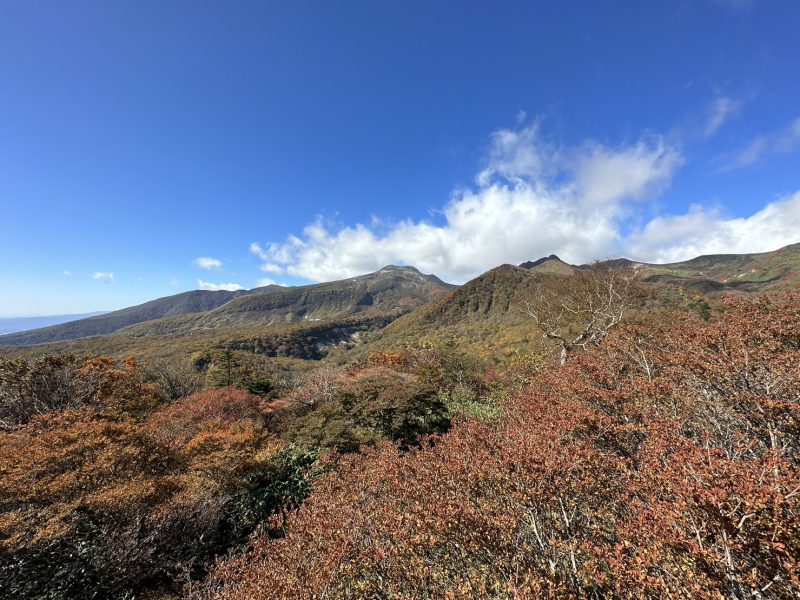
x,y
579,310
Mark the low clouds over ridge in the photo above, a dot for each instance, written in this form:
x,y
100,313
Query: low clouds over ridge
x,y
534,197
215,287
705,231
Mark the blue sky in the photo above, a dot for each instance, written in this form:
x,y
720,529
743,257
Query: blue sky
x,y
304,141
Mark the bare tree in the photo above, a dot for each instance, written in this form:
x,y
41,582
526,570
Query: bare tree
x,y
579,310
318,387
32,388
175,378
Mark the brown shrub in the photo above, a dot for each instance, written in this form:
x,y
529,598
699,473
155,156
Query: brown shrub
x,y
606,478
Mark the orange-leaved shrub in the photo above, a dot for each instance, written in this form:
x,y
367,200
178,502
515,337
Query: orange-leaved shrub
x,y
58,382
101,504
662,464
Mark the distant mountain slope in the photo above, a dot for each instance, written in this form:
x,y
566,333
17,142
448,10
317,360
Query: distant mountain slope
x,y
494,299
549,264
391,290
17,324
180,304
759,272
490,295
488,313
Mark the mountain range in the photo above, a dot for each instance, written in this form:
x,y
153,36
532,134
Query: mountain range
x,y
391,291
713,273
401,297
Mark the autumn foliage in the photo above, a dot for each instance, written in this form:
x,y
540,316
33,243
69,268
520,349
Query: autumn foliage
x,y
662,464
108,500
663,461
59,382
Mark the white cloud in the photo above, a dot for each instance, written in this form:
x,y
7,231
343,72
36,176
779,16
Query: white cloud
x,y
266,255
784,141
707,231
205,262
214,287
267,281
607,176
787,139
104,277
754,151
533,197
720,111
67,273
519,155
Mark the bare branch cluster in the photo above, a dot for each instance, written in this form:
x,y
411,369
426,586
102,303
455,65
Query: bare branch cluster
x,y
578,311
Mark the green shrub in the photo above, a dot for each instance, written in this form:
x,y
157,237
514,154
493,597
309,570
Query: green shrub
x,y
462,401
268,488
374,404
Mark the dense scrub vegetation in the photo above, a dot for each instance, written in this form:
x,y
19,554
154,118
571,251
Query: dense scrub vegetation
x,y
664,463
661,460
99,501
119,478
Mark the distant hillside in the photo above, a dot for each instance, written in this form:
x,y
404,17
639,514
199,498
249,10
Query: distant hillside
x,y
488,312
16,324
760,272
490,303
390,291
713,273
180,304
549,264
491,295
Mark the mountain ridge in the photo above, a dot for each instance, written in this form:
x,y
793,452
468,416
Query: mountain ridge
x,y
392,289
707,273
488,312
183,303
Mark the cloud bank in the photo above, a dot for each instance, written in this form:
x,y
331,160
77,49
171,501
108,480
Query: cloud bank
x,y
532,198
705,231
215,287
